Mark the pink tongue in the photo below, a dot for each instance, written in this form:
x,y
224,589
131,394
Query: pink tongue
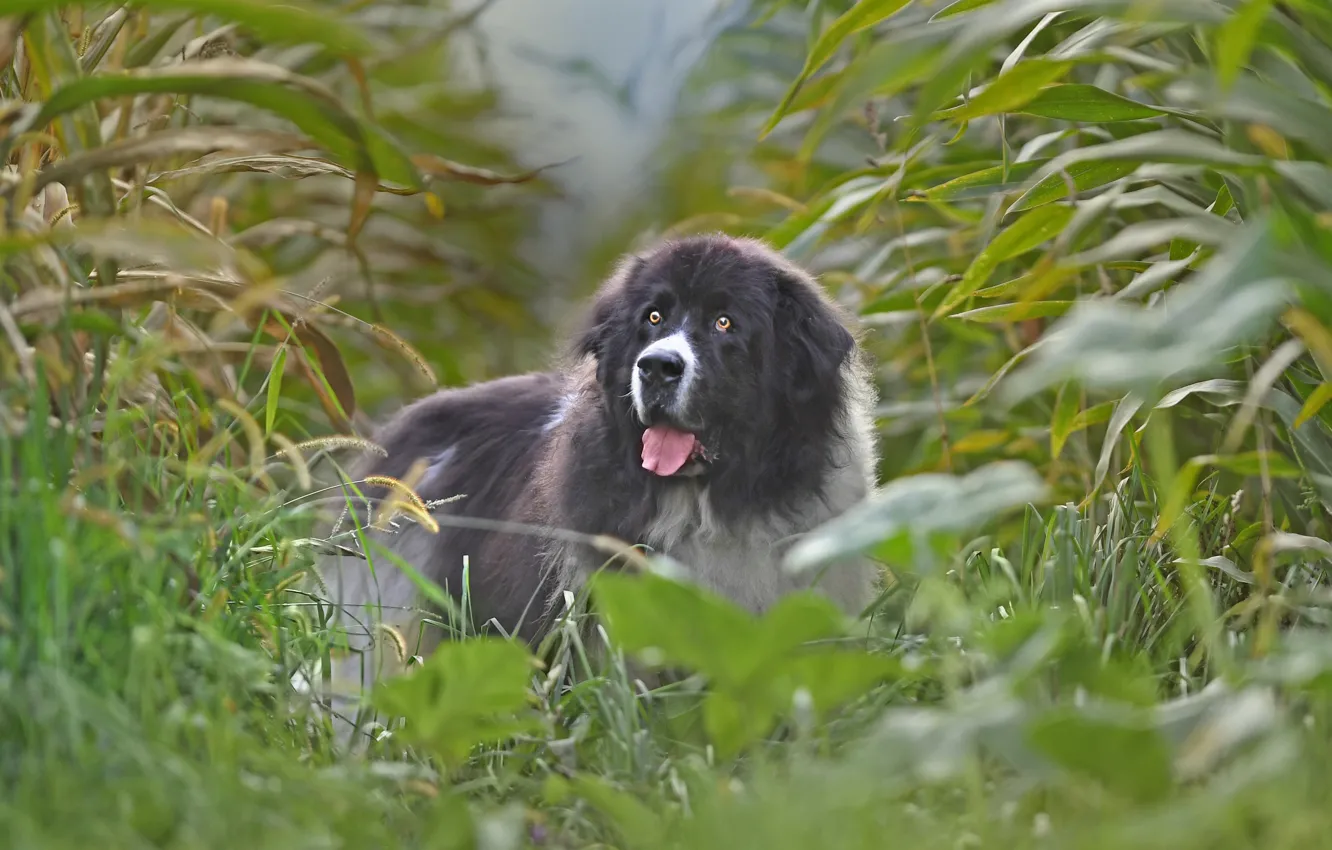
x,y
665,450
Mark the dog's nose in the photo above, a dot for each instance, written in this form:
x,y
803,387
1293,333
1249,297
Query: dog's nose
x,y
662,367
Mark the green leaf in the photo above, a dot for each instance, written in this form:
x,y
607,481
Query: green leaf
x,y
732,723
862,15
1109,344
1235,39
675,623
910,510
1090,104
1010,90
1016,312
308,105
1067,405
1245,463
1181,249
274,394
1124,753
288,22
980,184
468,692
753,665
1085,175
832,676
1026,233
1317,399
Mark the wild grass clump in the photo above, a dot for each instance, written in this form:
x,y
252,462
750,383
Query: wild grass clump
x,y
1091,246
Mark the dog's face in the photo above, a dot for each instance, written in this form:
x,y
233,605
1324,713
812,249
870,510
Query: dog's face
x,y
710,347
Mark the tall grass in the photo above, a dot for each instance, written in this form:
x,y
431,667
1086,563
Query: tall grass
x,y
1090,241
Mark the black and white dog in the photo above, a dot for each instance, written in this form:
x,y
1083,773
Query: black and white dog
x,y
714,407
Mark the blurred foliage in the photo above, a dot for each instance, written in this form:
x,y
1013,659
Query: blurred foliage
x,y
1090,244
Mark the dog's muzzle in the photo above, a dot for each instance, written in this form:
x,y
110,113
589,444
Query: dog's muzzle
x,y
662,377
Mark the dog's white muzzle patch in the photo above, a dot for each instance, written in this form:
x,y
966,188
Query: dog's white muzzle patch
x,y
676,398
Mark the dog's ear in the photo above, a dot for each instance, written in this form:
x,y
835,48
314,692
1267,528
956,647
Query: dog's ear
x,y
597,326
811,328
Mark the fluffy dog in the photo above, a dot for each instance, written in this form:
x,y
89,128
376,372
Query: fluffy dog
x,y
715,406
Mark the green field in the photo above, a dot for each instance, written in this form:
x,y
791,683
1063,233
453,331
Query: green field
x,y
1091,247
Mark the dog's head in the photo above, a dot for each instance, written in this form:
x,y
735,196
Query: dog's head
x,y
712,350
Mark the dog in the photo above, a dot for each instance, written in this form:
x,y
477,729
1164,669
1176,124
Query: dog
x,y
714,406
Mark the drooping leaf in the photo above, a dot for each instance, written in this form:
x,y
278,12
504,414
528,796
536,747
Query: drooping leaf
x,y
1067,405
1236,37
315,110
980,184
1018,312
1086,103
1085,175
141,150
1021,236
466,693
1010,91
915,507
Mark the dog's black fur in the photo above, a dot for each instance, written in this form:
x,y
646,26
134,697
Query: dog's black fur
x,y
781,404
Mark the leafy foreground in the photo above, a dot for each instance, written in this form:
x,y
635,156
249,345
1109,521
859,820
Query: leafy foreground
x,y
1093,247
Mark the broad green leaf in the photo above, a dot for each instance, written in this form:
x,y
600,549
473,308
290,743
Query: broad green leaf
x,y
1021,236
733,723
677,622
1235,39
913,508
1010,90
288,22
1086,103
1085,175
466,693
753,665
680,623
863,15
1126,754
834,675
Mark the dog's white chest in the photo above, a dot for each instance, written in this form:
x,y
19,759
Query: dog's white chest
x,y
743,564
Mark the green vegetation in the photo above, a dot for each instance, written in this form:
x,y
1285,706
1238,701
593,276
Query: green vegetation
x,y
1091,242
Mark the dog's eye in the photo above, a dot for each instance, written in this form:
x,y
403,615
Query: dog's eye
x,y
723,323
654,318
